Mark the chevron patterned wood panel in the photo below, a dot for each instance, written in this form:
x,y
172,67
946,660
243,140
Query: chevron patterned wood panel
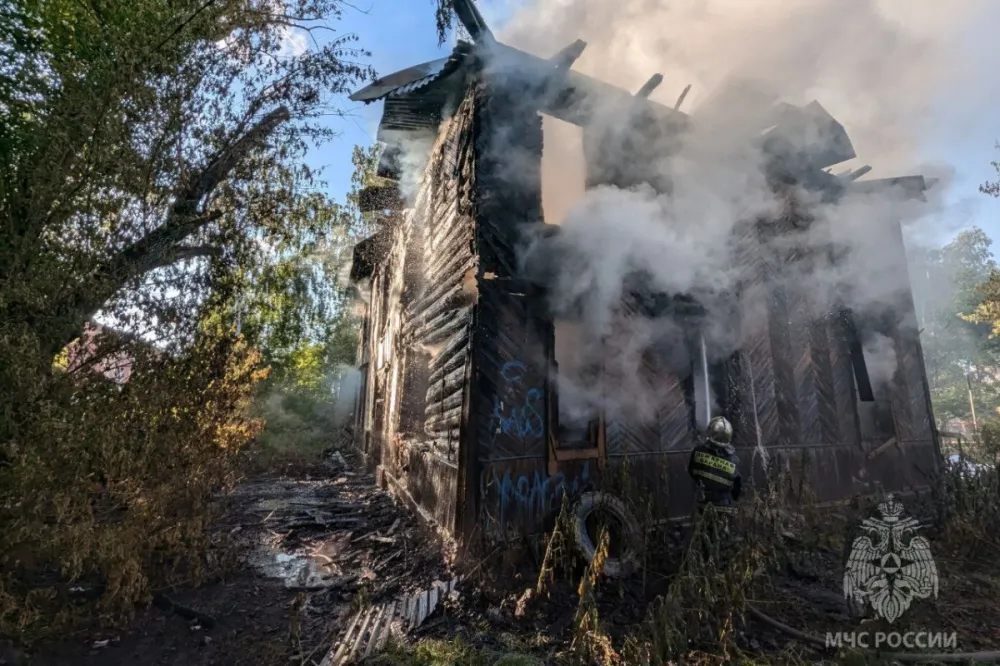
x,y
674,415
757,271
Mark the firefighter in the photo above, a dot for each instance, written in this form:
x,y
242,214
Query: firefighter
x,y
715,467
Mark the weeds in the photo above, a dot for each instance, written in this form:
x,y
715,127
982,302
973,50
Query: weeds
x,y
590,644
558,551
708,594
455,652
967,503
109,489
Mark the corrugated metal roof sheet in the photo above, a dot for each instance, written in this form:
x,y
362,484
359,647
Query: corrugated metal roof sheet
x,y
411,79
414,101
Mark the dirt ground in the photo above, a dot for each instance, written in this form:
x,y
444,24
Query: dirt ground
x,y
324,544
313,547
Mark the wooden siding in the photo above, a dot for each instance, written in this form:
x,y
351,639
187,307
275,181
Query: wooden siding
x,y
417,328
459,391
439,316
508,429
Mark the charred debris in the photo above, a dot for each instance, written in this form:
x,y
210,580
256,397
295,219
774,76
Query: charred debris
x,y
458,409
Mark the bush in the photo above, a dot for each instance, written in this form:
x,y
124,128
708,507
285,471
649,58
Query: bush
x,y
111,486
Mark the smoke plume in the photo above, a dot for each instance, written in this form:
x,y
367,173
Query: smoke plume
x,y
872,64
880,359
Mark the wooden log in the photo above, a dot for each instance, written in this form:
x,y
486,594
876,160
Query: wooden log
x,y
649,86
451,382
446,421
380,197
448,403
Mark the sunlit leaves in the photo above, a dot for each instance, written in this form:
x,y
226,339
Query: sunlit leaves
x,y
955,315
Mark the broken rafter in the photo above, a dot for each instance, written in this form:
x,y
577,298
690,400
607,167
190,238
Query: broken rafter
x,y
909,186
574,97
649,86
565,58
473,22
682,97
850,176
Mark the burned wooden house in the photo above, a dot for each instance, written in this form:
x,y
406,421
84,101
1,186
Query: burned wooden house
x,y
458,407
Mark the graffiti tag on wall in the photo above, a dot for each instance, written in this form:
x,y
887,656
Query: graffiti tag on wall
x,y
533,494
518,413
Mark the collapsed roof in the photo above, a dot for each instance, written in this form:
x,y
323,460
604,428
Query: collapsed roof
x,y
417,99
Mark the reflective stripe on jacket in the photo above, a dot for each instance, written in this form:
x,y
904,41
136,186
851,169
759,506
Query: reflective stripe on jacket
x,y
717,472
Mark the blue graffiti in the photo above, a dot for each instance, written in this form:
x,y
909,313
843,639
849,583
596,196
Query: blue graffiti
x,y
535,494
523,419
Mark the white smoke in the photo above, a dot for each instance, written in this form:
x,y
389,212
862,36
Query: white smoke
x,y
410,153
361,297
347,387
880,359
872,64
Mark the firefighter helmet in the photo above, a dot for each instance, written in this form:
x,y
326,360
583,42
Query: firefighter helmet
x,y
720,431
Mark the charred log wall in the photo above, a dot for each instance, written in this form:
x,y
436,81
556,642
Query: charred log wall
x,y
437,332
650,414
803,366
419,318
655,440
506,477
792,388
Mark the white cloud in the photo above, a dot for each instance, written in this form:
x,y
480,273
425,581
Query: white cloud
x,y
294,42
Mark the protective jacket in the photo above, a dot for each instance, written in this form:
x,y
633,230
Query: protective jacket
x,y
716,472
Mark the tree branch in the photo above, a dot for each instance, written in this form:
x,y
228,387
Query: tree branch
x,y
186,252
161,246
219,168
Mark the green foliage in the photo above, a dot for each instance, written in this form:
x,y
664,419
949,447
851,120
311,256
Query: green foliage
x,y
151,173
432,652
158,141
110,486
309,334
957,337
989,436
968,510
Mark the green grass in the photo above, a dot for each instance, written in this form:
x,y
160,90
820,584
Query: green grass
x,y
456,652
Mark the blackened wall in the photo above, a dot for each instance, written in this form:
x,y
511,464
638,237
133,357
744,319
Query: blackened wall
x,y
419,322
508,429
460,394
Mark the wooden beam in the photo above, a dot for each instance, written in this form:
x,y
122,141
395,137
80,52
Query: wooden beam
x,y
565,58
602,442
683,96
649,86
850,176
380,197
574,97
473,22
910,186
576,454
882,448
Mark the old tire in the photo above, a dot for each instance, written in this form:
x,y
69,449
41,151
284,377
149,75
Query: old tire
x,y
588,504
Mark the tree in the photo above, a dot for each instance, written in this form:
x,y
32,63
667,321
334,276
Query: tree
x,y
957,344
302,298
982,310
307,328
445,17
151,133
150,172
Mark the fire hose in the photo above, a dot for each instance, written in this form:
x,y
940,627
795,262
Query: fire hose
x,y
906,657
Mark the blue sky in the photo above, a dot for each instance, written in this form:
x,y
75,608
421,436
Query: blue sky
x,y
962,132
399,34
